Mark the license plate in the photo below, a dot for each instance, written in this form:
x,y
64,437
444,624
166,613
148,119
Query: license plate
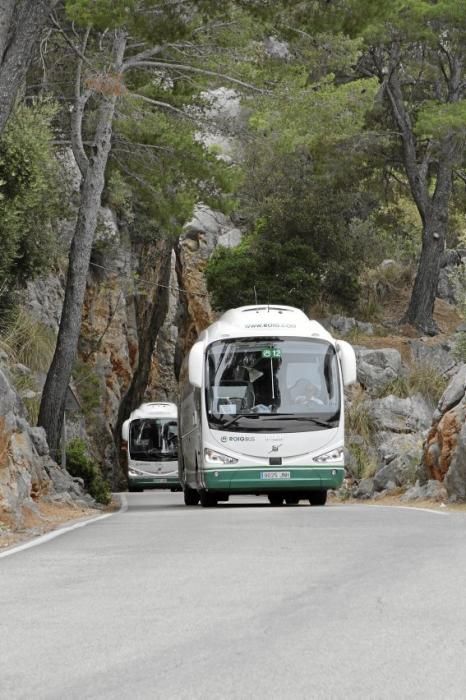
x,y
275,475
161,481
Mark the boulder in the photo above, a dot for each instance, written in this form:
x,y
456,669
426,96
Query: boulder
x,y
39,440
439,357
342,325
444,456
364,489
391,446
432,490
377,368
400,471
454,392
455,478
392,414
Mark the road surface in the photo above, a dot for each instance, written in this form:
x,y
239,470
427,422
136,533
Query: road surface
x,y
241,601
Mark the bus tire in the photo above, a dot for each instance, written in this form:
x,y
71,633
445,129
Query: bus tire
x,y
275,499
191,496
318,498
291,500
208,500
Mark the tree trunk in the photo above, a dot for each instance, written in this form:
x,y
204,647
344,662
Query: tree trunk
x,y
21,23
421,305
420,312
58,377
150,321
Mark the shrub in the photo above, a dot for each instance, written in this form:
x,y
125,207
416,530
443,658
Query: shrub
x,y
79,464
88,386
284,273
365,464
31,195
359,420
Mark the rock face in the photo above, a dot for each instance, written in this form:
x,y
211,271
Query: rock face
x,y
386,453
109,344
377,368
27,471
450,263
444,457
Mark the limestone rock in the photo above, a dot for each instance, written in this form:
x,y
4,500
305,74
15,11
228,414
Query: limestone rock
x,y
397,415
439,357
377,368
445,448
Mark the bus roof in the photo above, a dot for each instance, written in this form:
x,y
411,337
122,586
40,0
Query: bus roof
x,y
155,409
264,320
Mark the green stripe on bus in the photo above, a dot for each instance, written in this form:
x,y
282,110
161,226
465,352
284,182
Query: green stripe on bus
x,y
260,479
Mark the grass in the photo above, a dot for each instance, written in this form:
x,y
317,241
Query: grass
x,y
27,341
365,461
361,430
358,418
24,383
379,285
421,378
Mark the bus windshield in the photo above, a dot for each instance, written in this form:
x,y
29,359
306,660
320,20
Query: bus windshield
x,y
272,385
153,439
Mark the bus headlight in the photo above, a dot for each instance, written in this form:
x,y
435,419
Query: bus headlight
x,y
134,472
212,457
335,455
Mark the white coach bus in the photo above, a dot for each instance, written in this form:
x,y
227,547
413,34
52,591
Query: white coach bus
x,y
262,408
151,436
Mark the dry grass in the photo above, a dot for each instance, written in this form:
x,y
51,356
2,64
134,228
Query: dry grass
x,y
28,342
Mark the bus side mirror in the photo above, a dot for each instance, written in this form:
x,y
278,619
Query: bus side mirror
x,y
348,362
125,431
196,364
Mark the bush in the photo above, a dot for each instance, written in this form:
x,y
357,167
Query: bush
x,y
31,195
88,386
79,464
279,273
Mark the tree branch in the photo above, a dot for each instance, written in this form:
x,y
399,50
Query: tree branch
x,y
78,112
194,69
141,56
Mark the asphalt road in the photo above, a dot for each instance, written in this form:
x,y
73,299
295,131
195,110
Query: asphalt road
x,y
241,601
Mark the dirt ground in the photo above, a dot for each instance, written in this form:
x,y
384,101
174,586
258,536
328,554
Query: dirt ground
x,y
46,516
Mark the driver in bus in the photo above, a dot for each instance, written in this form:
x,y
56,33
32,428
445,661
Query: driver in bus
x,y
304,392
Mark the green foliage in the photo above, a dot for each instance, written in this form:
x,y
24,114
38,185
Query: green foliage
x,y
30,194
436,120
361,429
364,462
79,464
280,271
359,420
88,386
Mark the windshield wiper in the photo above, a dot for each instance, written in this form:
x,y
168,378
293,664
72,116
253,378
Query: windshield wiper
x,y
293,416
232,421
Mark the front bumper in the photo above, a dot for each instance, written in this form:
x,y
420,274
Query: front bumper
x,y
258,479
139,483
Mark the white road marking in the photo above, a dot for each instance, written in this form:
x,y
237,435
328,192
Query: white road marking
x,y
63,530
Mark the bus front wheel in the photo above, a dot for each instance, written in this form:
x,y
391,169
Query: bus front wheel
x,y
275,499
191,497
292,500
208,500
318,498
